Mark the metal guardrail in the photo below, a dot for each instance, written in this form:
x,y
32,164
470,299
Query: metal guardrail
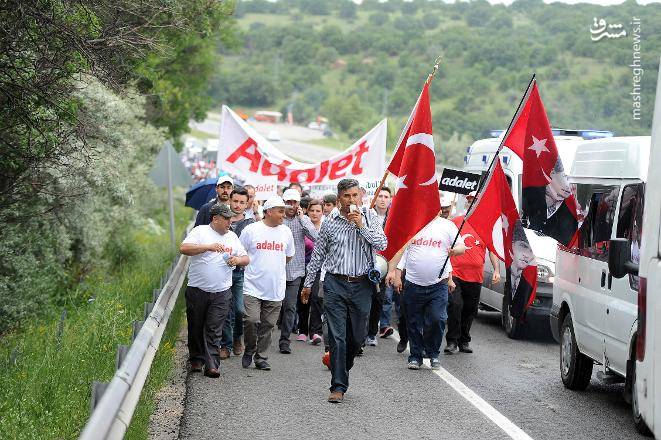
x,y
114,403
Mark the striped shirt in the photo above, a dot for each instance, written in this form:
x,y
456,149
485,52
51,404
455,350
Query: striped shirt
x,y
301,227
344,249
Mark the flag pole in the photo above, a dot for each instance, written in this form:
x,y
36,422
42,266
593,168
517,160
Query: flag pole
x,y
430,77
493,161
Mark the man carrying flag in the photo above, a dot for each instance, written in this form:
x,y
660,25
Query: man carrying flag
x,y
547,200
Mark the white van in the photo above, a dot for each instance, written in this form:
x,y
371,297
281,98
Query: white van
x,y
477,160
594,314
645,371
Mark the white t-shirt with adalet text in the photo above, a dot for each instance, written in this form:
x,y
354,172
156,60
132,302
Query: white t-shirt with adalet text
x,y
268,248
208,270
428,250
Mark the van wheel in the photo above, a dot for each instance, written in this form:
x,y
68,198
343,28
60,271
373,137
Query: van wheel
x,y
575,367
514,329
638,421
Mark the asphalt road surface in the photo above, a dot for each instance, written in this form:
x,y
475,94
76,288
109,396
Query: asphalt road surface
x,y
518,379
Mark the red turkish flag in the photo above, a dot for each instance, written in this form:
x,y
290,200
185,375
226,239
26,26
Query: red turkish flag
x,y
416,201
496,220
547,200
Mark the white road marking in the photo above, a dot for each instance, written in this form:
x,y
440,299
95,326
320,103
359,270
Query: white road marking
x,y
489,411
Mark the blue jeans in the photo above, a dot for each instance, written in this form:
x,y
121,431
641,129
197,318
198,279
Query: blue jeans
x,y
346,309
426,313
386,311
233,329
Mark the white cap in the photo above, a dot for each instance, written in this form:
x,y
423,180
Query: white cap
x,y
274,202
472,194
225,178
291,194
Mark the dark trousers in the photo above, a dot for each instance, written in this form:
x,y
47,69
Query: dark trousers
x,y
462,309
289,310
206,313
346,308
400,309
375,310
303,312
316,308
233,328
426,313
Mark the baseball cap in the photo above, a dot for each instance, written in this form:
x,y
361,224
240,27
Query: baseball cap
x,y
446,200
291,194
274,202
222,210
472,194
225,178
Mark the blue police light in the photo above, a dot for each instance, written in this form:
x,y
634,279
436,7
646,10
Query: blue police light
x,y
485,158
505,160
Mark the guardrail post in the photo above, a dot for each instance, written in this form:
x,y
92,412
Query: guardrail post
x,y
137,325
147,309
155,294
98,388
121,355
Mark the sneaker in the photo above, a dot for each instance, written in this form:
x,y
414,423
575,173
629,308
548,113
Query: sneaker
x,y
401,346
371,341
261,364
385,332
246,360
414,365
302,338
316,339
285,349
360,352
465,348
451,348
435,364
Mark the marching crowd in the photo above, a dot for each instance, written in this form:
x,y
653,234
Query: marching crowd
x,y
311,268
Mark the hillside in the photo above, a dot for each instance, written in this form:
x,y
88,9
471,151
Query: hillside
x,y
357,63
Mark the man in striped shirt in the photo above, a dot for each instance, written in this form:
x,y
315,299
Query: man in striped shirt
x,y
345,247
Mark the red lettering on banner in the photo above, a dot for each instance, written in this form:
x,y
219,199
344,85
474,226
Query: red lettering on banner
x,y
362,149
309,176
267,169
253,156
340,165
323,169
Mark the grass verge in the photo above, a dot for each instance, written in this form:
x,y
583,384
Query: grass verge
x,y
47,368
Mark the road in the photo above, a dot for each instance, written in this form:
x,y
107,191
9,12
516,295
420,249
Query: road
x,y
519,379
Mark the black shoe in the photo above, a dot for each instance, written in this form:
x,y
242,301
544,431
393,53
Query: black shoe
x,y
401,346
360,352
465,348
246,360
285,349
261,364
451,348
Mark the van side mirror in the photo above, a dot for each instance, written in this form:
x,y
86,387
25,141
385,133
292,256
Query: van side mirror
x,y
619,258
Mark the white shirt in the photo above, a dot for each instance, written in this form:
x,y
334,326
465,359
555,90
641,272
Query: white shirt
x,y
208,270
265,277
428,250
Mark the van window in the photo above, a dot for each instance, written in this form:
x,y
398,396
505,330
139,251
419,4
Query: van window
x,y
630,222
596,205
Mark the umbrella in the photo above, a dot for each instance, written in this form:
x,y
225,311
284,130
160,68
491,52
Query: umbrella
x,y
200,193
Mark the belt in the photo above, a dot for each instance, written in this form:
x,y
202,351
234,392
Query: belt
x,y
349,278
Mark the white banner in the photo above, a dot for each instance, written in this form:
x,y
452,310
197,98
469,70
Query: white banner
x,y
245,152
317,191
